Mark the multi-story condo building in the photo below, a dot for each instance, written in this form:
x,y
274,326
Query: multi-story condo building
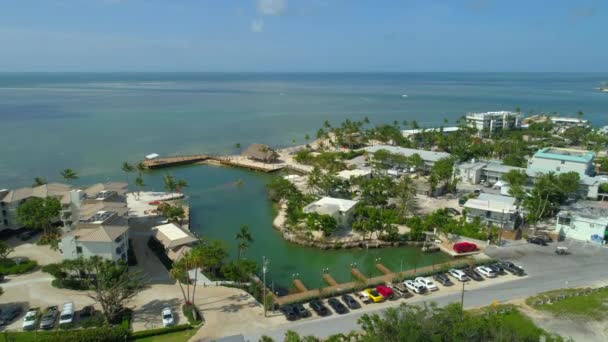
x,y
491,122
561,160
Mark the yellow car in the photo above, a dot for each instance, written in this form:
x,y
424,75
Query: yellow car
x,y
374,295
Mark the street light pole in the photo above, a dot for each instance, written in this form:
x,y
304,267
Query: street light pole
x,y
462,301
264,270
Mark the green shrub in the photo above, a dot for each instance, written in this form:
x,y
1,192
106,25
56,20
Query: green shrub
x,y
9,266
187,311
101,334
93,321
67,326
160,331
72,284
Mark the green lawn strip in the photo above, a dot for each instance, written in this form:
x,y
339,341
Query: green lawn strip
x,y
591,305
526,329
177,336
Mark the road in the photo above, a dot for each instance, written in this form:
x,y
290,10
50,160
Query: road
x,y
546,271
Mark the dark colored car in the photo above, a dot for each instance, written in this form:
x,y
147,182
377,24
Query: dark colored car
x,y
443,279
9,314
350,302
319,307
289,312
497,268
464,247
512,268
87,311
301,310
452,211
28,234
537,241
49,317
471,273
337,306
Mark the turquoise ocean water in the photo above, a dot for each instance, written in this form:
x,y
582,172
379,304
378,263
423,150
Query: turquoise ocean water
x,y
93,122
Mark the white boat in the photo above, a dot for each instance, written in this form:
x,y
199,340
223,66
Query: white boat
x,y
404,95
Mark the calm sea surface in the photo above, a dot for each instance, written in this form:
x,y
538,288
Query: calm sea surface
x,y
93,122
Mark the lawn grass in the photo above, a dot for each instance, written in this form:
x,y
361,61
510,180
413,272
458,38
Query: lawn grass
x,y
590,306
527,330
177,336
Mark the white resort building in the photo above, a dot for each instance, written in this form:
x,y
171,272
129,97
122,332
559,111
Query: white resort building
x,y
340,209
491,122
429,157
174,239
588,224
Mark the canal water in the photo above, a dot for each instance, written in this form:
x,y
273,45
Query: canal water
x,y
222,199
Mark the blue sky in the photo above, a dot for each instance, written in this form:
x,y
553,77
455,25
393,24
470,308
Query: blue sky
x,y
303,35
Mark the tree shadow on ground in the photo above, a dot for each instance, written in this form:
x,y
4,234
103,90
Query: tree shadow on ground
x,y
149,314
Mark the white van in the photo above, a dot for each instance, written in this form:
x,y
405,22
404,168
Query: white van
x,y
67,314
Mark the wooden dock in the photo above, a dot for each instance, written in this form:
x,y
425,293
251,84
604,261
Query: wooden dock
x,y
299,285
357,274
159,163
383,268
329,279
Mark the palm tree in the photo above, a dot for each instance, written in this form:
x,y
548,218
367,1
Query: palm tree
x,y
69,174
38,181
244,239
127,168
180,184
139,183
238,147
141,168
169,182
307,137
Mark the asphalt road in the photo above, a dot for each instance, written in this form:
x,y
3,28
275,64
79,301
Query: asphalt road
x,y
546,271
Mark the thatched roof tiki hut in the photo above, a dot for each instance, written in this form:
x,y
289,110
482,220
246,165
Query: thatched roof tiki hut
x,y
261,153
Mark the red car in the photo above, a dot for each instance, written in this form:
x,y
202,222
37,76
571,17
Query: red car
x,y
464,247
154,203
384,291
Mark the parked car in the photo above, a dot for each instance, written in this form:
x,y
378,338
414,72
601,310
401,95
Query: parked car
x,y
337,306
289,312
9,314
385,291
30,319
426,282
464,247
350,302
67,314
300,310
30,233
443,279
512,268
364,297
374,295
318,307
537,241
87,311
168,318
497,268
458,275
452,211
415,287
49,317
401,290
485,271
472,274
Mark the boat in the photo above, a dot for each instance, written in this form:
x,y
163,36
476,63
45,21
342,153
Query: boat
x,y
404,95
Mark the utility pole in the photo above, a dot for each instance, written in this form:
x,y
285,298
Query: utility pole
x,y
462,301
264,270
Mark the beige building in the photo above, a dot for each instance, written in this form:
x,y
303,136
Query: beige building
x,y
174,239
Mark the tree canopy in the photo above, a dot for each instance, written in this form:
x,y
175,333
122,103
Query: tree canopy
x,y
39,213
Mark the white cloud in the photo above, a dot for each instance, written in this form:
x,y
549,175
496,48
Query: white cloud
x,y
272,7
257,25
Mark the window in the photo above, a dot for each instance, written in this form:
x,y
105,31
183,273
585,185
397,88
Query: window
x,y
118,239
564,220
78,250
563,162
488,214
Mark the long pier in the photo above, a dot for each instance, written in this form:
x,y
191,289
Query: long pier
x,y
158,163
234,161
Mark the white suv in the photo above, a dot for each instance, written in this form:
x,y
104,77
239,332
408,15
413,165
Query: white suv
x,y
30,319
426,282
414,287
485,271
458,274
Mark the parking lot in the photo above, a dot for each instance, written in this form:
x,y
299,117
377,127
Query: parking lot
x,y
366,304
